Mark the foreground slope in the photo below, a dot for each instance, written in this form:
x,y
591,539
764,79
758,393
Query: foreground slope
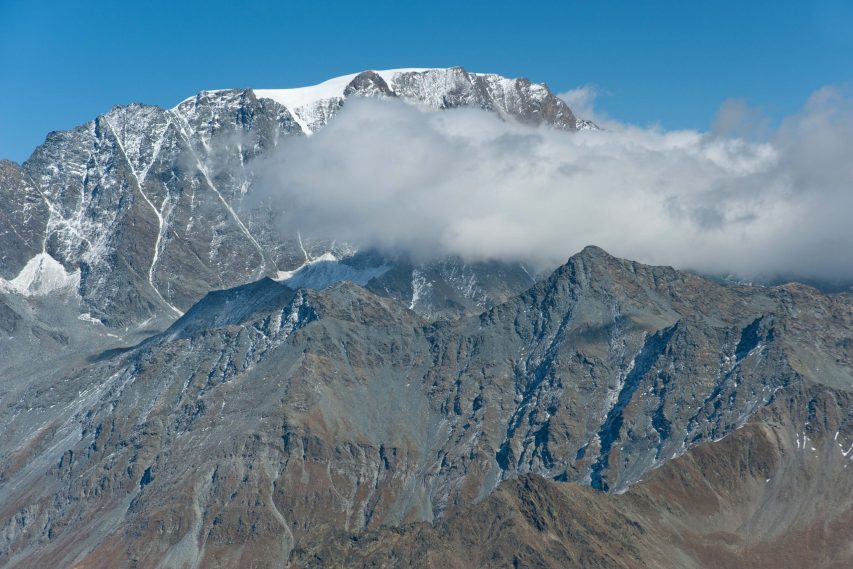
x,y
751,500
267,419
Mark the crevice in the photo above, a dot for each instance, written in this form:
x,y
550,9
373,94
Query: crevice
x,y
505,454
749,339
612,426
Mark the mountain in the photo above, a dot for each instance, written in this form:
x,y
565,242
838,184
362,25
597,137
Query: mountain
x,y
145,205
188,383
266,420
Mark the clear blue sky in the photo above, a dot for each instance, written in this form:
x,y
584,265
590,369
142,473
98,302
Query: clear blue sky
x,y
666,62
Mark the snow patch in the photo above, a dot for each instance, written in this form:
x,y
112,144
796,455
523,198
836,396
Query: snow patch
x,y
42,275
419,287
304,96
320,272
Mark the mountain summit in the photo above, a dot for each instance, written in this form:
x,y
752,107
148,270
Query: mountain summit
x,y
512,99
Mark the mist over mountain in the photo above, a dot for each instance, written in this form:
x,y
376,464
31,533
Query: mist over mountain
x,y
389,175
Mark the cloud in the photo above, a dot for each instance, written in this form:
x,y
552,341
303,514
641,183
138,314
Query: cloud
x,y
582,102
737,119
388,175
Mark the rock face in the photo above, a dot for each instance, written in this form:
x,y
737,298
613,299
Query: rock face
x,y
23,220
144,212
514,99
268,419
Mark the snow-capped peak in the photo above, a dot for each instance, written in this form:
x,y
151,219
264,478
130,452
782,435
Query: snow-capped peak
x,y
513,99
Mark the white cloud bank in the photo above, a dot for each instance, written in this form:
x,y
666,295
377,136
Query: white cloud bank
x,y
388,175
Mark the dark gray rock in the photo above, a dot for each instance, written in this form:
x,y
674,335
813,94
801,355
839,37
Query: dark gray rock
x,y
368,84
23,219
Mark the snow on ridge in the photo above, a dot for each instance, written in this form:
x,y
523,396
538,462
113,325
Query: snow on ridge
x,y
302,102
325,270
41,275
305,103
297,97
312,106
388,75
303,96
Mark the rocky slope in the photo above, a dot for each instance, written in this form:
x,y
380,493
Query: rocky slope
x,y
752,500
267,419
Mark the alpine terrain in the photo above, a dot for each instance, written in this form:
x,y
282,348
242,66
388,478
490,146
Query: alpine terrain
x,y
187,383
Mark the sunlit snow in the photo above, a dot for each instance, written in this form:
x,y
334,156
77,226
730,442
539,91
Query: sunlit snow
x,y
40,276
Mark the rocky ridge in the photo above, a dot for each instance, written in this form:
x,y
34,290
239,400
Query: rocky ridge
x,y
279,415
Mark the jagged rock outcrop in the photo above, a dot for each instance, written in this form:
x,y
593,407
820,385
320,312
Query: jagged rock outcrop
x,y
512,99
140,202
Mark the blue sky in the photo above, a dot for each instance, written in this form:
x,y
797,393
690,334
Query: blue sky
x,y
667,62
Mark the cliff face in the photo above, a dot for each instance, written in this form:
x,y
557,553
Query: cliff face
x,y
266,420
